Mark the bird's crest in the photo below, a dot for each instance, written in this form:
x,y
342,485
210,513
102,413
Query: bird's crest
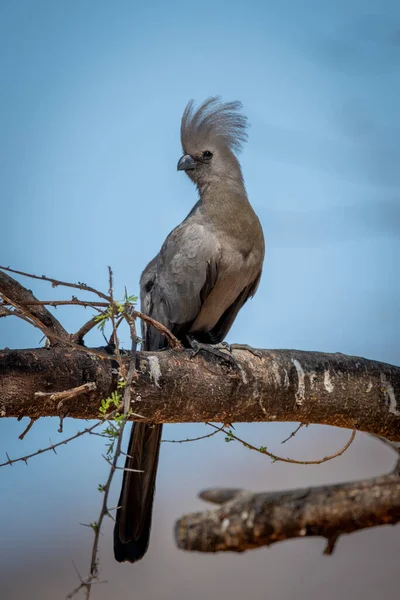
x,y
214,121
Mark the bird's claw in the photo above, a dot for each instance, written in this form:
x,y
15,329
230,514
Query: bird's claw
x,y
253,351
225,346
221,351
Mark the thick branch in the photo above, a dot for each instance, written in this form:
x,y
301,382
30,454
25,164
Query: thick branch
x,y
283,385
22,297
252,520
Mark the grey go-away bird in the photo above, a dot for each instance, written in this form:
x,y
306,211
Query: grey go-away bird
x,y
205,271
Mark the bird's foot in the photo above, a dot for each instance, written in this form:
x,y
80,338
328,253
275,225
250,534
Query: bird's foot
x,y
221,351
253,351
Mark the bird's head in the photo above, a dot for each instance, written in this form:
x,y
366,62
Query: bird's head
x,y
211,136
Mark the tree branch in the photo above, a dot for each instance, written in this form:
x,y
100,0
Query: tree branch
x,y
247,520
283,385
21,297
170,386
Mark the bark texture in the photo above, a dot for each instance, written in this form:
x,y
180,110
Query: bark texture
x,y
247,520
282,385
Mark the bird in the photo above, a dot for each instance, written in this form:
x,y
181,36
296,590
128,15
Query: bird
x,y
207,268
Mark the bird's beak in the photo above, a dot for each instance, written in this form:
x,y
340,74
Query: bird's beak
x,y
186,163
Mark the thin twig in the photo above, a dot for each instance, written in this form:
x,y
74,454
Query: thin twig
x,y
111,342
94,569
275,458
73,302
84,585
330,544
113,322
90,386
117,468
84,330
52,447
56,282
172,340
23,434
69,342
196,439
25,316
293,433
131,374
6,312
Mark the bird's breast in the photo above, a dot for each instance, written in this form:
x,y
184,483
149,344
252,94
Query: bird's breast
x,y
235,273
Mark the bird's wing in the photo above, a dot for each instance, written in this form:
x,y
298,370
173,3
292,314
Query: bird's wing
x,y
184,273
146,304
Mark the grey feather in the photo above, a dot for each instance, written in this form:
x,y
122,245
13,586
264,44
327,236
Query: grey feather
x,y
187,263
214,122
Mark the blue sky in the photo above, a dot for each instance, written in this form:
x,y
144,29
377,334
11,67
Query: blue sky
x,y
90,105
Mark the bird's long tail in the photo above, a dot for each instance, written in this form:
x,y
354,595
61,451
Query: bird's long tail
x,y
133,519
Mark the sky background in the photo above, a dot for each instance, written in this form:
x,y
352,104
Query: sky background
x,y
91,96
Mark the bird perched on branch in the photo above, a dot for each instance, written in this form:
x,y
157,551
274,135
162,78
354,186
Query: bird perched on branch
x,y
207,268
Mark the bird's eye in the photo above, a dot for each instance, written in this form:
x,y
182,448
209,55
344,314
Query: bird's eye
x,y
207,155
